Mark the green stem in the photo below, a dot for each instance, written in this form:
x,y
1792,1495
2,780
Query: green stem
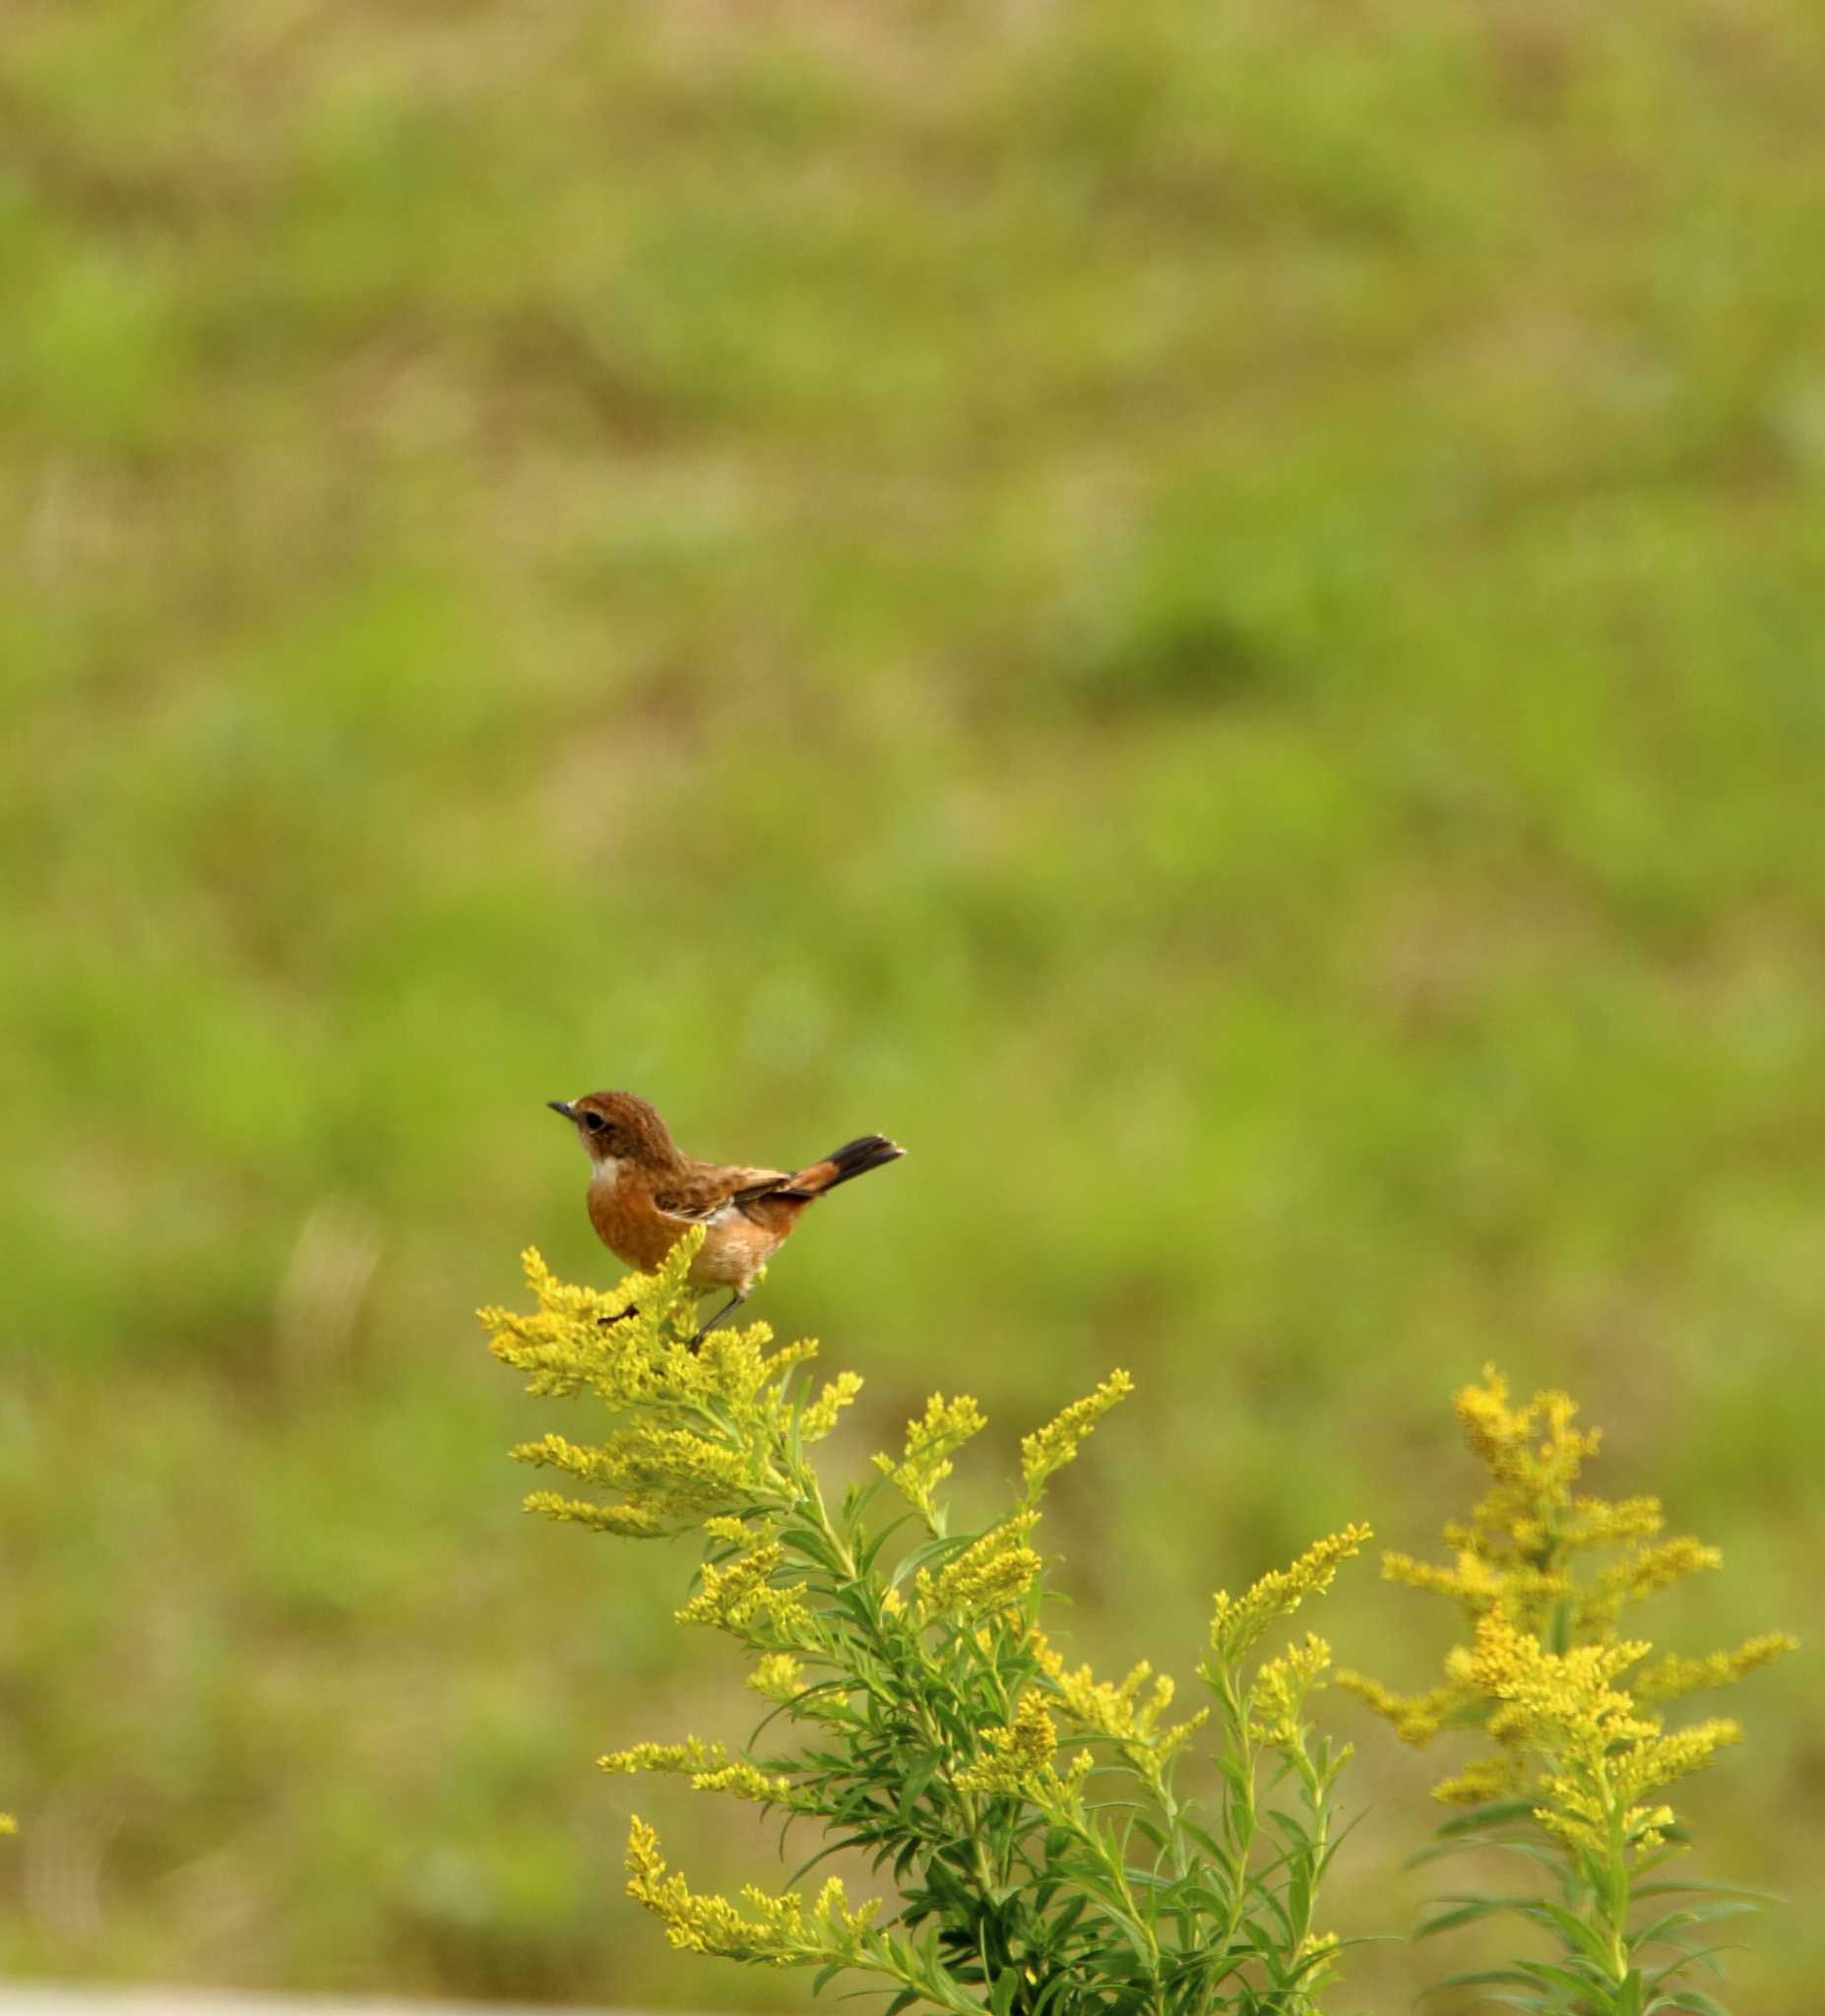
x,y
1615,1903
1240,1807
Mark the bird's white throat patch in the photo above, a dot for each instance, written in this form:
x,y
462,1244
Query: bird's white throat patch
x,y
606,1169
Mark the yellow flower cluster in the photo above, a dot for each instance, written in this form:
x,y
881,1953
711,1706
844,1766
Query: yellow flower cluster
x,y
1281,1688
1642,1570
704,1423
1051,1447
931,1441
1546,1692
1600,1755
820,1417
1544,1672
993,1572
1018,1763
666,1474
1416,1717
1496,1776
1237,1623
1021,1750
778,1675
745,1781
691,1755
781,1932
1675,1678
1532,1450
1115,1709
1517,1550
743,1594
631,1522
579,1340
707,1766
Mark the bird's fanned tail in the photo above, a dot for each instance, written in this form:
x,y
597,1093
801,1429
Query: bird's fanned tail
x,y
853,1158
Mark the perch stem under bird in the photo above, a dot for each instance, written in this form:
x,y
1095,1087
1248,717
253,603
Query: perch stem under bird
x,y
645,1193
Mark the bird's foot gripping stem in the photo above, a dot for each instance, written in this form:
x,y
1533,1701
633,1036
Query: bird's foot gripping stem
x,y
733,1303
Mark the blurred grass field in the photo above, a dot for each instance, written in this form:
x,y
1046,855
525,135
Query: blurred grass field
x,y
1208,612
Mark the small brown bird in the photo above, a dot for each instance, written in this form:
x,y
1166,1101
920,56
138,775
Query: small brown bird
x,y
645,1194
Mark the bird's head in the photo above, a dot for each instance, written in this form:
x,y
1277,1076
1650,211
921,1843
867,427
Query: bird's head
x,y
616,1127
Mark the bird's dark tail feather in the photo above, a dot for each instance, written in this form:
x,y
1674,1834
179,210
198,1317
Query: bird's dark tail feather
x,y
853,1158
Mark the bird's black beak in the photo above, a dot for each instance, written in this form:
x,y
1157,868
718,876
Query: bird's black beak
x,y
561,1106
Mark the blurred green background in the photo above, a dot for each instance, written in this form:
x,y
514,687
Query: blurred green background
x,y
1210,613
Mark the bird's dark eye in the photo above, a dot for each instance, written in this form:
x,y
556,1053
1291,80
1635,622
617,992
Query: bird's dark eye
x,y
595,1122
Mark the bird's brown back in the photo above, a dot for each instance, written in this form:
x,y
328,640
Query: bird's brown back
x,y
695,1188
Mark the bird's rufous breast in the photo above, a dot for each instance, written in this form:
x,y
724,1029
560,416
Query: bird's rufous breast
x,y
633,1228
627,1224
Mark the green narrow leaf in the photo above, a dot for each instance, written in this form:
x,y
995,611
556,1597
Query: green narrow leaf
x,y
1696,1883
1577,1982
1695,2002
1461,1915
1696,1956
1578,1935
1496,1813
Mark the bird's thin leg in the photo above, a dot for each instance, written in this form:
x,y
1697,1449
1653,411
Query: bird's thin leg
x,y
620,1315
735,1302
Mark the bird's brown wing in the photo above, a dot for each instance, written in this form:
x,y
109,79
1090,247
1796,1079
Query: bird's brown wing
x,y
699,1193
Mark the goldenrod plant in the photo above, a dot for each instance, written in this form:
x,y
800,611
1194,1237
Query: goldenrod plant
x,y
1581,1754
1042,1851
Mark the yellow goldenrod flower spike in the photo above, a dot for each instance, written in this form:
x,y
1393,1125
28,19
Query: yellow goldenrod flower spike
x,y
707,1766
778,1675
931,1441
633,1522
991,1574
781,1933
744,1782
700,1432
1051,1447
1675,1678
1115,1709
1108,1706
1642,1572
821,1416
1020,1756
1237,1623
1545,1673
693,1754
1598,1754
1596,1522
1489,1778
745,1591
1532,1446
1281,1688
